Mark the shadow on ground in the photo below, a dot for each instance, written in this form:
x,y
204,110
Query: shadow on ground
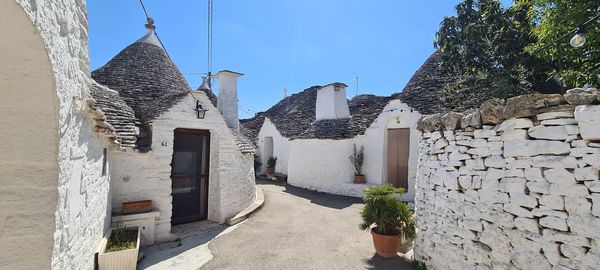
x,y
191,248
380,263
320,198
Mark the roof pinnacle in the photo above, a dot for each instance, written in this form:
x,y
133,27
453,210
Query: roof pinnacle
x,y
150,24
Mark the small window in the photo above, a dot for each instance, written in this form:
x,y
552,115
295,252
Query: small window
x,y
104,161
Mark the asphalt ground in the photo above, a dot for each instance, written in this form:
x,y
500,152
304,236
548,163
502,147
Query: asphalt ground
x,y
300,229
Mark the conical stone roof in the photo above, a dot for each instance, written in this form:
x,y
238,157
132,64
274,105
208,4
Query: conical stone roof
x,y
145,78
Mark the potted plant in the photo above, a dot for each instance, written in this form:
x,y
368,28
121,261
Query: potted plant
x,y
121,250
271,162
392,218
358,158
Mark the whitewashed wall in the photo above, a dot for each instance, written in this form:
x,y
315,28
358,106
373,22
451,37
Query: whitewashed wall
x,y
281,147
522,194
324,165
139,176
59,216
331,104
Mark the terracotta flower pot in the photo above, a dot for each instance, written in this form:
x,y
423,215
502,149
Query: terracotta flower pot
x,y
359,179
270,170
386,246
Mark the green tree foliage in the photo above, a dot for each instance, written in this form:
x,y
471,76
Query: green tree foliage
x,y
551,19
497,52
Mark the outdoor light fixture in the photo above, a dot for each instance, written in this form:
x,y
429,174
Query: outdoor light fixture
x,y
579,39
200,111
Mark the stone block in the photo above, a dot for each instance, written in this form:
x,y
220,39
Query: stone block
x,y
451,120
517,210
574,190
495,162
578,206
525,259
518,123
523,200
584,151
534,174
482,133
535,147
515,135
586,174
584,226
430,123
552,202
555,223
511,163
527,224
492,111
581,96
529,105
559,122
596,204
593,159
515,173
558,133
567,162
471,118
573,252
539,212
593,186
465,181
559,176
516,185
554,115
538,187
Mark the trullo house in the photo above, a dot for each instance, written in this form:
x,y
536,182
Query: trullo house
x,y
179,151
312,134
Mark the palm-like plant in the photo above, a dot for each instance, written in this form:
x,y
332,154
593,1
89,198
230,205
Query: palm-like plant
x,y
390,215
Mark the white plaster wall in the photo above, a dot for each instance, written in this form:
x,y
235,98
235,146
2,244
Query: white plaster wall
x,y
72,191
324,165
227,101
139,176
281,147
325,108
341,103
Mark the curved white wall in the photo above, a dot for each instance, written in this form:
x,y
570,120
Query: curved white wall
x,y
324,165
53,195
142,176
281,147
28,163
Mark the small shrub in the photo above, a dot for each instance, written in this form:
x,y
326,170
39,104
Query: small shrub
x,y
358,158
390,216
419,265
271,162
121,239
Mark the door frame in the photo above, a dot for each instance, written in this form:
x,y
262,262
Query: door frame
x,y
206,171
387,155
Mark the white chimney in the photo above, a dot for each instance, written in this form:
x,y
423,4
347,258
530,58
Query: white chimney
x,y
227,102
332,102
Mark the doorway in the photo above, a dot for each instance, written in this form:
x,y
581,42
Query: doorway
x,y
398,146
189,175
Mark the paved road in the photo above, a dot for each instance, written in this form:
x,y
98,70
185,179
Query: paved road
x,y
300,229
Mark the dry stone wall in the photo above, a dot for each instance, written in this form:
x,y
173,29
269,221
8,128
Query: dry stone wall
x,y
511,185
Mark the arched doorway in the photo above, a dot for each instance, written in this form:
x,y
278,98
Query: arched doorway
x,y
28,164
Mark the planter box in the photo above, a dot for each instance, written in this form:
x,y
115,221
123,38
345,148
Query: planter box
x,y
120,260
136,207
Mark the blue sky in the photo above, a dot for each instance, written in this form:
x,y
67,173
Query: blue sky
x,y
281,44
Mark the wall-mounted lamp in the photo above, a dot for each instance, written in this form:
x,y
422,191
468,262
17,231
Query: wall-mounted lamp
x,y
579,39
200,111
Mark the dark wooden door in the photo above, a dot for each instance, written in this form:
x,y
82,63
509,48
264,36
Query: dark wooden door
x,y
189,175
397,156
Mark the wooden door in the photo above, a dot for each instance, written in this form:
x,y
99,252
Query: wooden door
x,y
398,147
189,175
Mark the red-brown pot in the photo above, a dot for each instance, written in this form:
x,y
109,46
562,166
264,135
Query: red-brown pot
x,y
359,179
270,170
385,245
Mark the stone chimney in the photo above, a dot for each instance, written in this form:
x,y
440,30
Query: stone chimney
x,y
227,102
332,102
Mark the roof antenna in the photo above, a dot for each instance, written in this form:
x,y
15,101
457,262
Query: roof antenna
x,y
206,80
356,93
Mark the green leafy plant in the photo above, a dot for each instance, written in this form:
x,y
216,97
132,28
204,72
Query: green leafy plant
x,y
271,162
419,265
121,239
358,158
390,215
